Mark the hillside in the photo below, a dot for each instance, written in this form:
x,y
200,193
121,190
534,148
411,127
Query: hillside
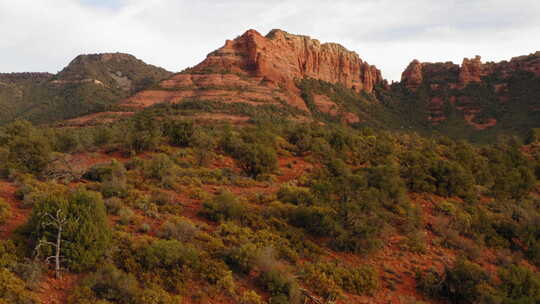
x,y
279,170
255,73
157,208
475,100
90,83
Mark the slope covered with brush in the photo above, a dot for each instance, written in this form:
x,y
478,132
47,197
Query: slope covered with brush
x,y
90,83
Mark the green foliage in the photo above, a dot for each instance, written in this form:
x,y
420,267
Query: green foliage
x,y
28,149
295,195
223,207
107,283
113,179
253,151
467,282
256,159
204,145
281,286
178,229
460,284
12,289
317,220
143,133
113,205
5,211
520,284
160,168
180,133
47,98
251,297
85,235
170,263
328,278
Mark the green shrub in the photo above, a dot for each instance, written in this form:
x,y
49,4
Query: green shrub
x,y
143,133
162,198
180,133
29,150
126,216
156,295
281,286
160,168
12,289
223,207
66,142
31,272
8,254
295,195
461,283
114,205
256,159
242,258
98,173
30,154
317,220
250,297
85,235
179,229
520,284
107,283
446,208
5,211
328,276
168,263
204,145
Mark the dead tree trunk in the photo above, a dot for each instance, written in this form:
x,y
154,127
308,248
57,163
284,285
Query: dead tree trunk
x,y
57,221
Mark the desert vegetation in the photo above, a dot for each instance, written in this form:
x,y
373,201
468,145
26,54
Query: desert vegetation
x,y
265,213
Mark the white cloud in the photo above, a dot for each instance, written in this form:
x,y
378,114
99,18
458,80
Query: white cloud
x,y
45,35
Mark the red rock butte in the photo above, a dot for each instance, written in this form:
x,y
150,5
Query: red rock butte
x,y
445,80
266,69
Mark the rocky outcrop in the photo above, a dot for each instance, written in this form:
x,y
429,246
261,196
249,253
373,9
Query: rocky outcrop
x,y
264,70
447,83
471,70
281,58
412,77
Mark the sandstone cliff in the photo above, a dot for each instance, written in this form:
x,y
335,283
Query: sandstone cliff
x,y
449,85
257,69
471,70
281,57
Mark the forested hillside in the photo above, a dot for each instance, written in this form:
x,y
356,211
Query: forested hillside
x,y
157,208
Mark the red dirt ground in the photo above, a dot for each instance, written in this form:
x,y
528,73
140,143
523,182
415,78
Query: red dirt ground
x,y
55,291
18,214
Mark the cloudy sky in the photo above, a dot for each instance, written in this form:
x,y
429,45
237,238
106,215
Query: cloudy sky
x,y
44,35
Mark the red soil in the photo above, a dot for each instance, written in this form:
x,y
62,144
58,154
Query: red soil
x,y
56,291
18,216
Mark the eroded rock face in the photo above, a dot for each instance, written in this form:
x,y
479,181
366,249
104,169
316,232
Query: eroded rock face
x,y
447,82
471,70
281,58
412,77
261,70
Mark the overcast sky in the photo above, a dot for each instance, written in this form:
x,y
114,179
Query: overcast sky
x,y
44,35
